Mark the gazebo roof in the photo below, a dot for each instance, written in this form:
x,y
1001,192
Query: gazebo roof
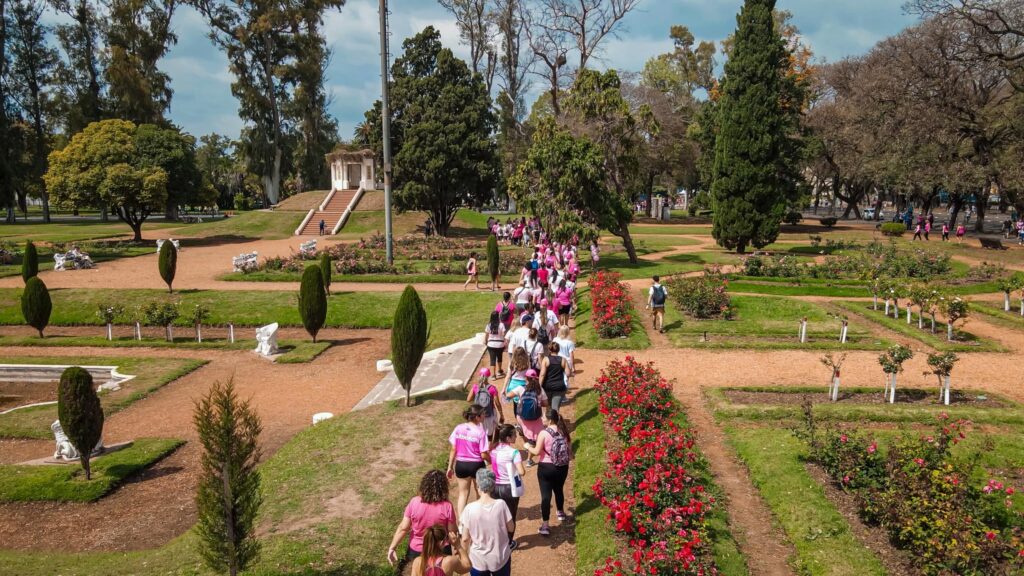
x,y
350,155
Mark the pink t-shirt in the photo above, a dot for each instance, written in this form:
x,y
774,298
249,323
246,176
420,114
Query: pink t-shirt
x,y
470,441
563,297
423,516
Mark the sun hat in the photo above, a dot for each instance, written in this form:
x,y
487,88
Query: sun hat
x,y
485,372
531,373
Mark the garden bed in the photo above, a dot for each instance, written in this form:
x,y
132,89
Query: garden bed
x,y
963,341
904,396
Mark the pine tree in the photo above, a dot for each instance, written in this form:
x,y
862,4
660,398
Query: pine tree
x,y
29,262
749,183
228,497
325,271
80,413
168,263
36,305
409,334
312,300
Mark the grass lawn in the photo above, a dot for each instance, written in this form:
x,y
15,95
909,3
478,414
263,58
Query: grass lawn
x,y
150,374
965,341
100,253
63,230
595,539
453,316
620,263
68,484
789,287
670,229
331,460
254,224
994,313
768,323
588,338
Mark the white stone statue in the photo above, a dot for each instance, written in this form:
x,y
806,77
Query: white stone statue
x,y
266,339
65,449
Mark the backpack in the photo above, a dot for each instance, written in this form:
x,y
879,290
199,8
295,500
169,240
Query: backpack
x,y
559,449
542,334
529,406
483,398
658,298
434,570
534,363
507,309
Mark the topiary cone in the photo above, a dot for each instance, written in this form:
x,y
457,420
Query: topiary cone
x,y
36,305
409,333
168,263
80,413
312,300
30,262
493,258
325,271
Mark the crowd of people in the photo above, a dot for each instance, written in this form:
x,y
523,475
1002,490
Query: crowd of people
x,y
512,423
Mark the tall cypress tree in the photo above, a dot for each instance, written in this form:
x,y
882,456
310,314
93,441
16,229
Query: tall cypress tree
x,y
749,186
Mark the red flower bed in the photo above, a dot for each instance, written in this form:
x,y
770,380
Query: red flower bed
x,y
653,499
611,308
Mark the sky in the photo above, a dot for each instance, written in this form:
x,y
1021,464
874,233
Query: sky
x,y
203,103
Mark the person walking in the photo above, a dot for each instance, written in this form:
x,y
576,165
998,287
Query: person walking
x,y
917,232
485,525
554,452
518,369
656,298
469,450
494,339
945,231
471,272
429,508
927,230
567,350
530,401
507,463
439,559
506,310
523,294
563,302
552,376
484,394
323,226
960,231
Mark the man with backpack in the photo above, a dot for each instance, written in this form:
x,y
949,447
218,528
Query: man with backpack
x,y
656,298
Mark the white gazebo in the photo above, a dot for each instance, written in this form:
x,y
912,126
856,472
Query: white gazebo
x,y
351,170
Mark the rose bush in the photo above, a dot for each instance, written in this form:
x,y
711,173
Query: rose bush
x,y
702,296
653,498
611,307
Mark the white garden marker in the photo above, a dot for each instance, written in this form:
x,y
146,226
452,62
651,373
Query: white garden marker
x,y
944,390
1022,306
138,331
843,331
834,389
231,332
170,333
886,306
199,333
908,315
803,330
891,388
949,331
110,331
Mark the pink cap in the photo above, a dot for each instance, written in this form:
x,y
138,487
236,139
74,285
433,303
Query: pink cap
x,y
544,302
531,373
485,372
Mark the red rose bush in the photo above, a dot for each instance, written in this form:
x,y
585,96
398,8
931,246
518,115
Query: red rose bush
x,y
611,308
653,497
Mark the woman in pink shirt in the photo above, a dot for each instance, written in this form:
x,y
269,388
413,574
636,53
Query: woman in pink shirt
x,y
469,450
563,303
429,508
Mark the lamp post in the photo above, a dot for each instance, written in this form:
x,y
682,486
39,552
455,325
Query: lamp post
x,y
385,112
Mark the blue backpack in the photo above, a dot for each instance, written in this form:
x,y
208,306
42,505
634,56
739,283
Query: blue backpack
x,y
529,406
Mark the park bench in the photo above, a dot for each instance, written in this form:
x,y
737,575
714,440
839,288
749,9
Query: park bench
x,y
160,243
308,248
244,262
992,243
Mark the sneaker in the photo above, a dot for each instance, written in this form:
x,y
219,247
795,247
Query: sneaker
x,y
512,544
544,530
530,463
561,516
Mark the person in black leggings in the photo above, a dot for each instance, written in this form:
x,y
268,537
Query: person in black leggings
x,y
551,475
552,376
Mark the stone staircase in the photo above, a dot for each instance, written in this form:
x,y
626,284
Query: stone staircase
x,y
331,213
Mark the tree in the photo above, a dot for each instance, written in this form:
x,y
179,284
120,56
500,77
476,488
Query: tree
x,y
138,35
325,270
312,300
29,262
228,498
586,22
7,158
168,263
214,157
102,166
476,23
175,153
35,304
493,260
82,77
748,190
80,413
409,334
445,156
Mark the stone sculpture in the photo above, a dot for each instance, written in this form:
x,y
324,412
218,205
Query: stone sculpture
x,y
266,339
65,449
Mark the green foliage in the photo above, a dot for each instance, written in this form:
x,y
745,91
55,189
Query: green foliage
x,y
749,188
200,314
493,257
942,363
701,297
409,333
228,497
160,313
36,305
829,221
893,229
312,300
792,218
29,261
955,309
326,268
893,359
168,263
108,312
80,413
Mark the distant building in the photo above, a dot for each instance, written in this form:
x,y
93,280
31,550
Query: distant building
x,y
352,169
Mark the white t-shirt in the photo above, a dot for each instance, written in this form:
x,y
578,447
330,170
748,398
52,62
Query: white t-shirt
x,y
501,457
517,339
488,534
552,322
565,349
495,339
523,295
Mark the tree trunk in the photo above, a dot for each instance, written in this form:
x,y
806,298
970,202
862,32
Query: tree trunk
x,y
980,203
627,243
83,457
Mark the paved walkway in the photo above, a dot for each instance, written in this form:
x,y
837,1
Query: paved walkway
x,y
453,362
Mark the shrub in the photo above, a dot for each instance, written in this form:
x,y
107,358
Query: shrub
x,y
168,263
893,229
829,221
611,308
36,304
493,258
409,334
792,217
325,271
312,300
80,413
162,314
29,262
702,297
228,496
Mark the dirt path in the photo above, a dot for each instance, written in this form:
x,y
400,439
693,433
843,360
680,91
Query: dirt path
x,y
160,501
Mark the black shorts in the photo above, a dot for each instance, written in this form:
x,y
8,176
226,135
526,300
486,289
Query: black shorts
x,y
495,354
467,469
564,310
